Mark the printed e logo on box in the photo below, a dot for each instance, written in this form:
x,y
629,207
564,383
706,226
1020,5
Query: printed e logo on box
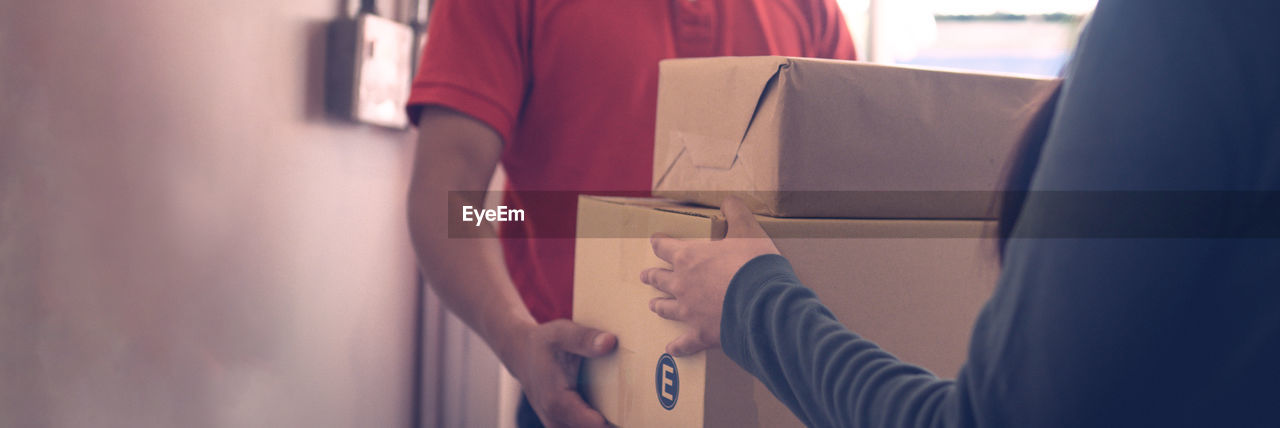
x,y
667,380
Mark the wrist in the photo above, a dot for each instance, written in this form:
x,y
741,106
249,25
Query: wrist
x,y
508,336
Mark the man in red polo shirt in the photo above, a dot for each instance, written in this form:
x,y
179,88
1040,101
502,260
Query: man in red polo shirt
x,y
563,93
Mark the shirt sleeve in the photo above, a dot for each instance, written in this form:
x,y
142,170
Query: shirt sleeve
x,y
475,62
775,328
832,36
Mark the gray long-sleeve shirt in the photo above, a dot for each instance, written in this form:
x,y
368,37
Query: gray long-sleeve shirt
x,y
1152,330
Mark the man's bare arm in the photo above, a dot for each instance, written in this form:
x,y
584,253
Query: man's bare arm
x,y
456,152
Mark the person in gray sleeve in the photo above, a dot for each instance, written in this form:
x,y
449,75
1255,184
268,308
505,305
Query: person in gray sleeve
x,y
1162,312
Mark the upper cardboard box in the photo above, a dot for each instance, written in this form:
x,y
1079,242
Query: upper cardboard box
x,y
822,138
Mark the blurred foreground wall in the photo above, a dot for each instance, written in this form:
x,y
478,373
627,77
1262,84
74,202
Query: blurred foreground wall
x,y
185,238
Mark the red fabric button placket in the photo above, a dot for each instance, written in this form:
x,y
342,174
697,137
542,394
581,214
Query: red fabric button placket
x,y
694,27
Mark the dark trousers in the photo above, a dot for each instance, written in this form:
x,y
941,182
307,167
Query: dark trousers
x,y
525,416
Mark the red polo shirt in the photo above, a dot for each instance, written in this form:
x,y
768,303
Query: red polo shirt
x,y
571,86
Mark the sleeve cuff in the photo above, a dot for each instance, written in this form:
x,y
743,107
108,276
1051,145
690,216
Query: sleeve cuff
x,y
464,101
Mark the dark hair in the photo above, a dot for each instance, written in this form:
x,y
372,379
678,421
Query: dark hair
x,y
1017,177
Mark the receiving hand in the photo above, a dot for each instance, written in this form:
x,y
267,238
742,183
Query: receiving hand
x,y
547,363
699,276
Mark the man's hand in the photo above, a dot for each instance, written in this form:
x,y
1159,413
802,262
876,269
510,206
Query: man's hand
x,y
547,361
700,274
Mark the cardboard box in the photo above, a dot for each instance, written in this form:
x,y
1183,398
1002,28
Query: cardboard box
x,y
913,286
822,138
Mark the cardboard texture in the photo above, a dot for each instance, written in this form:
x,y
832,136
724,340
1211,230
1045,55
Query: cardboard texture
x,y
823,138
899,283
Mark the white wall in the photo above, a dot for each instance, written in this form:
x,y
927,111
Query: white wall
x,y
185,238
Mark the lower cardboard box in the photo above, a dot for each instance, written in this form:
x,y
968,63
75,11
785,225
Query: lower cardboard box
x,y
914,287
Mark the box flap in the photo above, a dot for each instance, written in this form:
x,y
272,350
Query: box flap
x,y
846,139
821,228
720,103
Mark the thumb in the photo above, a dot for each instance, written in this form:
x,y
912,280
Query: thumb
x,y
687,344
741,222
581,340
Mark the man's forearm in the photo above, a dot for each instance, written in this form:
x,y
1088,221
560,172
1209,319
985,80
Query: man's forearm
x,y
468,273
456,152
456,158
